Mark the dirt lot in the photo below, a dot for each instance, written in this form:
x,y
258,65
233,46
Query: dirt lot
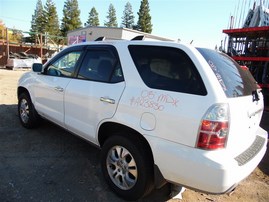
x,y
50,164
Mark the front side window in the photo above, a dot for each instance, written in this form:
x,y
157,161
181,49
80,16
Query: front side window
x,y
167,68
100,65
234,80
65,65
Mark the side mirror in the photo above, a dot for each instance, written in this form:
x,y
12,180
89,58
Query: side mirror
x,y
37,67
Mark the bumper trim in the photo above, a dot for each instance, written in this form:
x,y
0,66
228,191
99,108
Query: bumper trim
x,y
251,152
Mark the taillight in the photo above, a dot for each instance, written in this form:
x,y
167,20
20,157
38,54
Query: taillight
x,y
214,128
244,67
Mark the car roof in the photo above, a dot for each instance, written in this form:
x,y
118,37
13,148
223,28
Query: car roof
x,y
129,42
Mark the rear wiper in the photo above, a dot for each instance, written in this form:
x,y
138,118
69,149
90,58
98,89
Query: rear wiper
x,y
255,96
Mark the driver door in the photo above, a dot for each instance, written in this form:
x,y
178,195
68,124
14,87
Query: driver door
x,y
51,85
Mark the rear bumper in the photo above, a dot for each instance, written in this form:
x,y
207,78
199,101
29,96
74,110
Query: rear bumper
x,y
208,171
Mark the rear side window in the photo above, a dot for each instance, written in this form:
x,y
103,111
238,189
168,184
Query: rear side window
x,y
100,65
234,80
167,68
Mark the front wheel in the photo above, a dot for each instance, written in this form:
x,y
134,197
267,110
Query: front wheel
x,y
27,113
127,167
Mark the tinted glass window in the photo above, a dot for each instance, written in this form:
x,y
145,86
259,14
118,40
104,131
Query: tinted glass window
x,y
235,80
100,65
65,65
167,68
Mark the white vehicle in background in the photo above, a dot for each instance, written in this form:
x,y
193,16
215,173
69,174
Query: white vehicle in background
x,y
160,112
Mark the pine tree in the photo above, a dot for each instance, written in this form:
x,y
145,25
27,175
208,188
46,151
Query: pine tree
x,y
93,19
38,19
111,17
144,18
52,22
71,19
2,30
128,17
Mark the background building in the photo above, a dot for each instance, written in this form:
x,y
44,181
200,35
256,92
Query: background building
x,y
90,33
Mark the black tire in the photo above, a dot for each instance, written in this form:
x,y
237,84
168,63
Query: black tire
x,y
27,113
135,167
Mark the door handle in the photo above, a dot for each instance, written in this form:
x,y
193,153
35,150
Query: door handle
x,y
59,89
108,100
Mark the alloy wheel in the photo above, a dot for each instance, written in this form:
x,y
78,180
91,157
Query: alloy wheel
x,y
121,167
24,111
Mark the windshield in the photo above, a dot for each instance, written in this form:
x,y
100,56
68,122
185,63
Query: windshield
x,y
235,80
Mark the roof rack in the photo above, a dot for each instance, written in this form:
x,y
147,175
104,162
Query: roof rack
x,y
101,38
138,38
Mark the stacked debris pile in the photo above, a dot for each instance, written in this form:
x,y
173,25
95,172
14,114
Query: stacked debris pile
x,y
22,60
22,55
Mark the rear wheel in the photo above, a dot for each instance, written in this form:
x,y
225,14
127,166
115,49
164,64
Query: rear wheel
x,y
127,167
27,113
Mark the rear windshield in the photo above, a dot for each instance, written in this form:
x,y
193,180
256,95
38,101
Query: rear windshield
x,y
167,68
235,80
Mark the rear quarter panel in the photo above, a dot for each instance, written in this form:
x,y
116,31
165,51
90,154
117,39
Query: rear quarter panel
x,y
176,115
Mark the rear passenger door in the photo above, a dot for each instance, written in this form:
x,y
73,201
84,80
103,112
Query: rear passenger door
x,y
94,95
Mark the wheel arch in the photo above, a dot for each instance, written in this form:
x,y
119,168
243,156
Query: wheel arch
x,y
21,90
124,130
135,136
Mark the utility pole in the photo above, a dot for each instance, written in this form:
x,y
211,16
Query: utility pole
x,y
7,40
41,46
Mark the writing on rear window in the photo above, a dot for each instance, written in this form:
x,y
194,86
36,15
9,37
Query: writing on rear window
x,y
218,75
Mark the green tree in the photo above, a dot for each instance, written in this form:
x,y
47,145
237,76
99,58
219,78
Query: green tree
x,y
144,18
2,30
111,17
128,17
15,36
38,19
52,22
71,19
93,19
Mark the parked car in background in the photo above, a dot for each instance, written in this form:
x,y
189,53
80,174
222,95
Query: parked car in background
x,y
160,112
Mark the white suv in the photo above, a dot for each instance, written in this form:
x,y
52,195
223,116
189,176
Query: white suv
x,y
160,112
